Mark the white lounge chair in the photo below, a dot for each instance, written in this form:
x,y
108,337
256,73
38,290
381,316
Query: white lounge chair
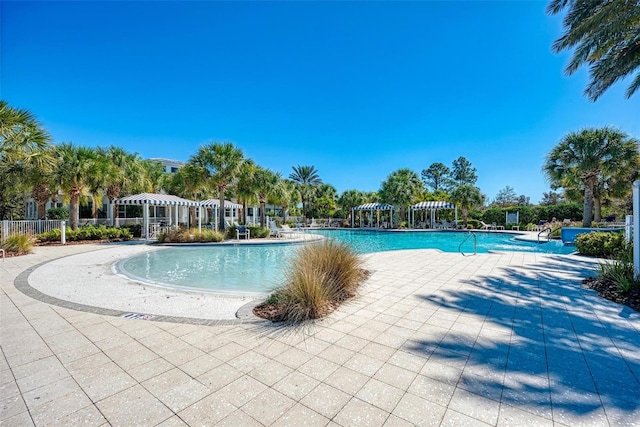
x,y
485,226
273,227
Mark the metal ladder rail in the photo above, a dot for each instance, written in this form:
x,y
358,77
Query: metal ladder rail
x,y
550,230
475,243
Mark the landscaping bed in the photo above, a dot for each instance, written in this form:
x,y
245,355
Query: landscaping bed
x,y
608,290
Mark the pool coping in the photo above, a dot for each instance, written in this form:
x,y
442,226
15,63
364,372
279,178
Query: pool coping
x,y
243,314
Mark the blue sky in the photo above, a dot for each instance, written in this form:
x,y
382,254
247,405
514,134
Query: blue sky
x,y
357,89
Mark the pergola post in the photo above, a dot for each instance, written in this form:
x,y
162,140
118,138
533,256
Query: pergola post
x,y
199,217
145,221
176,214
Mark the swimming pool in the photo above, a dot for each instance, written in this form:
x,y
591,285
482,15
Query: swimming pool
x,y
259,268
367,241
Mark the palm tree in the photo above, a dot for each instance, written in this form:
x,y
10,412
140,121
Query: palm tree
x,y
325,200
467,197
306,177
605,34
401,188
25,156
220,165
285,194
187,183
245,187
265,182
76,166
154,178
586,158
350,199
125,172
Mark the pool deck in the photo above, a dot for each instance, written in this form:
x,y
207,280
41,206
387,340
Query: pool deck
x,y
433,339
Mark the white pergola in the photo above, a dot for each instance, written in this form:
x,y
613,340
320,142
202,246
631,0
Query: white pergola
x,y
148,200
214,205
432,206
370,208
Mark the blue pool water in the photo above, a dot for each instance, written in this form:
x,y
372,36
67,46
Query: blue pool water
x,y
259,268
366,241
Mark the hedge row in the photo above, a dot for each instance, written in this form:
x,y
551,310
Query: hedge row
x,y
89,232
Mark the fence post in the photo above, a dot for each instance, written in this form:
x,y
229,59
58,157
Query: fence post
x,y
5,230
636,226
63,232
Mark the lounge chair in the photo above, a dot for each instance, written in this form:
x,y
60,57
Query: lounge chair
x,y
288,231
275,232
241,230
485,226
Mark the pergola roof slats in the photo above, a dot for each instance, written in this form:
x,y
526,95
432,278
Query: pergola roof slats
x,y
433,205
215,203
155,199
374,207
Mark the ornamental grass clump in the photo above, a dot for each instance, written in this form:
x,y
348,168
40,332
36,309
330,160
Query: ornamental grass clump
x,y
19,244
620,271
183,235
319,278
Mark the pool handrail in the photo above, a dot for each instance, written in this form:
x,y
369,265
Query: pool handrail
x,y
475,243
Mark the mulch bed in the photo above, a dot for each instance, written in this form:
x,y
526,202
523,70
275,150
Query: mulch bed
x,y
608,290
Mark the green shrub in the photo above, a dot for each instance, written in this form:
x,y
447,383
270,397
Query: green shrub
x,y
19,243
471,223
494,214
135,229
88,232
320,276
49,236
257,231
601,244
58,213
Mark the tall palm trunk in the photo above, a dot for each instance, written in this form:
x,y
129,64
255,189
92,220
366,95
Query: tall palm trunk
x,y
587,212
74,208
597,209
113,191
221,224
263,216
41,194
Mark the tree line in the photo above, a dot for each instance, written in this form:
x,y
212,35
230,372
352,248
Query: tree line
x,y
593,166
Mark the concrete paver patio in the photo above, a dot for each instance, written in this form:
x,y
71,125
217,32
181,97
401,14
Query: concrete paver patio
x,y
433,339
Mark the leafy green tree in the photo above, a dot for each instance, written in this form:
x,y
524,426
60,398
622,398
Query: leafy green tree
x,y
467,197
324,203
26,155
401,188
75,169
463,173
506,197
220,165
306,178
552,198
437,177
606,37
582,160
